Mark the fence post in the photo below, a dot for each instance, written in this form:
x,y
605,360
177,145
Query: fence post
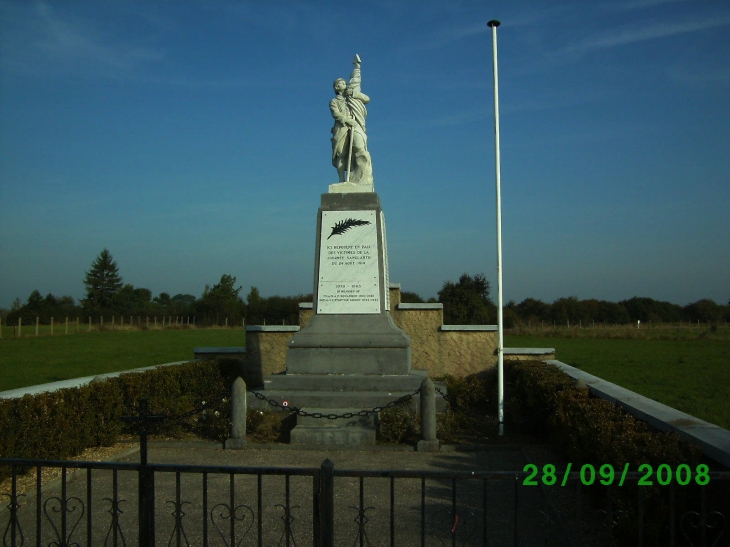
x,y
238,415
326,503
66,326
428,442
37,320
146,479
112,322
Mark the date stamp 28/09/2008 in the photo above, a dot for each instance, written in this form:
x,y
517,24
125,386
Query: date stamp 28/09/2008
x,y
664,475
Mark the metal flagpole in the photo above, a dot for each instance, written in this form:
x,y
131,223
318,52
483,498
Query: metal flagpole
x,y
500,344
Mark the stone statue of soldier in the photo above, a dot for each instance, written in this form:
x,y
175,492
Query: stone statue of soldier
x,y
350,154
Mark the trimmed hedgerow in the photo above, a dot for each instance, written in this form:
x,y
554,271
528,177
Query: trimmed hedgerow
x,y
63,423
589,430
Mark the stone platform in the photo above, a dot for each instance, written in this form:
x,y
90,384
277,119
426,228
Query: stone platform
x,y
341,394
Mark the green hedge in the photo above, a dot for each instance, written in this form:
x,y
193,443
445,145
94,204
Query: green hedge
x,y
61,424
589,430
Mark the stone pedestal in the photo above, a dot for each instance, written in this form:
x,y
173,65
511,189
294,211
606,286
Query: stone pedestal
x,y
350,356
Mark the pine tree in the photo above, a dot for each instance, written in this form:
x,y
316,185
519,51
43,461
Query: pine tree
x,y
102,283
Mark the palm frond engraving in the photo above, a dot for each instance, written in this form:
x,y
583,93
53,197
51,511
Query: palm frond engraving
x,y
344,225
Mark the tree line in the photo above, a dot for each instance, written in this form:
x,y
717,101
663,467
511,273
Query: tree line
x,y
107,295
466,302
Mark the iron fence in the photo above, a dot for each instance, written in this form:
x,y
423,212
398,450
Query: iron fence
x,y
120,504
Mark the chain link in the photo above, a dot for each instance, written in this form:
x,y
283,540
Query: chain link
x,y
455,405
346,415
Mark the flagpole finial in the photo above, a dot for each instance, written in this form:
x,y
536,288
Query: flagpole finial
x,y
493,23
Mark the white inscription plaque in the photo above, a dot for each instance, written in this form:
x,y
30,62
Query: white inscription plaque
x,y
348,263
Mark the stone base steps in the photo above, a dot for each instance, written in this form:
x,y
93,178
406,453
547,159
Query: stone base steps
x,y
346,382
341,394
329,436
355,431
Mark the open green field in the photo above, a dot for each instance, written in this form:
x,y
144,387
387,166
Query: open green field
x,y
38,360
690,375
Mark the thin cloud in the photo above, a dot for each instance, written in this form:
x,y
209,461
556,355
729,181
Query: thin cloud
x,y
646,33
641,4
55,43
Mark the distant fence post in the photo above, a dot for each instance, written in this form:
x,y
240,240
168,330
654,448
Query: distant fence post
x,y
89,323
20,327
112,322
121,321
37,320
226,322
66,326
77,325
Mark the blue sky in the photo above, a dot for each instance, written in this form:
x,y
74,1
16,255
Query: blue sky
x,y
191,139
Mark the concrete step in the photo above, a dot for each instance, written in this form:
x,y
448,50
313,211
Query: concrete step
x,y
355,421
346,382
329,436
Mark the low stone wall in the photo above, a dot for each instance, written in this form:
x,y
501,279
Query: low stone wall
x,y
266,351
528,354
440,349
465,350
422,323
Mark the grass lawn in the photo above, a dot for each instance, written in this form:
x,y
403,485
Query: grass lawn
x,y
37,360
690,375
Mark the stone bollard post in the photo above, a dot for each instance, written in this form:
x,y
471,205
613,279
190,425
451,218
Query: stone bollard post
x,y
428,442
238,415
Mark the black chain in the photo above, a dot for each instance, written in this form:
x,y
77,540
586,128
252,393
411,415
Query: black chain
x,y
449,400
455,405
346,415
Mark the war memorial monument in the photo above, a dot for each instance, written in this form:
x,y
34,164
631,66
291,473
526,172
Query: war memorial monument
x,y
350,356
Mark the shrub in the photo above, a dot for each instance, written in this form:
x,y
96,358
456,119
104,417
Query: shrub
x,y
61,424
397,425
591,430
